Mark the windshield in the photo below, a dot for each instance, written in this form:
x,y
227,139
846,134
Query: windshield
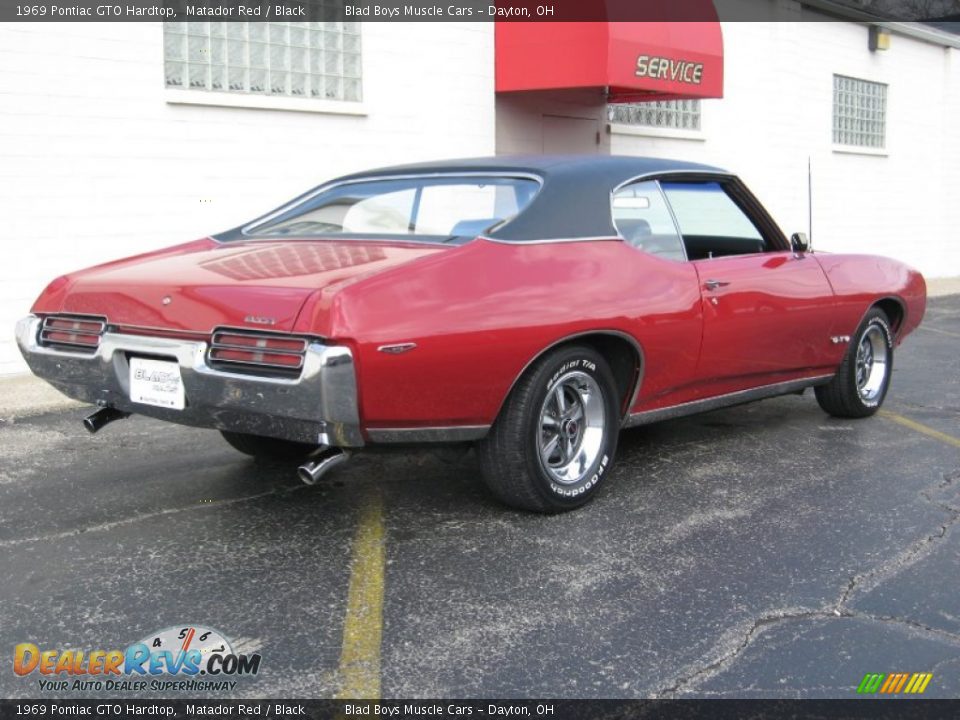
x,y
429,209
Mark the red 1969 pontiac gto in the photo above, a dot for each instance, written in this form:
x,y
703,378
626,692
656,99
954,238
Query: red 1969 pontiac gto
x,y
533,305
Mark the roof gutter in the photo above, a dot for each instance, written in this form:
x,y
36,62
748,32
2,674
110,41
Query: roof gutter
x,y
915,30
919,31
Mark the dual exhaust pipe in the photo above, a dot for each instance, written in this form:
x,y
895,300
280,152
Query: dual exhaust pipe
x,y
104,416
309,473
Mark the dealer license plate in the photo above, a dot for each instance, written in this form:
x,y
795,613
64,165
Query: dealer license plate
x,y
156,382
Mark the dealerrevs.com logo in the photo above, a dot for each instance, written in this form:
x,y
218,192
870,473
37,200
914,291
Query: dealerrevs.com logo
x,y
187,658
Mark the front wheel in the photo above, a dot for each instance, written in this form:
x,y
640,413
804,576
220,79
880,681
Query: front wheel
x,y
555,438
860,385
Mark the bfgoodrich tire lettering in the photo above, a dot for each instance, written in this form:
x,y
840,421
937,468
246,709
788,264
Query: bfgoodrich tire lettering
x,y
861,383
556,436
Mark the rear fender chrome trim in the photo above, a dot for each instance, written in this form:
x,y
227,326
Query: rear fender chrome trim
x,y
721,401
552,241
338,398
449,433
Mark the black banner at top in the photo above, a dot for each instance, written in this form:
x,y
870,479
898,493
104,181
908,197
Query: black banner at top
x,y
461,10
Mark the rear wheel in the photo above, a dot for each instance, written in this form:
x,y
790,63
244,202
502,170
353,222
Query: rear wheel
x,y
860,385
268,448
556,436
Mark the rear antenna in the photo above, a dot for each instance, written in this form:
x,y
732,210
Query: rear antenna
x,y
809,204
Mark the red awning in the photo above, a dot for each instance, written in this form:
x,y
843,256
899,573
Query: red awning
x,y
635,60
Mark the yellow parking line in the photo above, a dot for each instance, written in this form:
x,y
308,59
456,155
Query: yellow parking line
x,y
920,428
363,626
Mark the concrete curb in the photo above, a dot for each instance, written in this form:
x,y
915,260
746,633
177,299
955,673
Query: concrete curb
x,y
938,287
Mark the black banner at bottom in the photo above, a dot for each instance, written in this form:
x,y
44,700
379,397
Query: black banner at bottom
x,y
895,709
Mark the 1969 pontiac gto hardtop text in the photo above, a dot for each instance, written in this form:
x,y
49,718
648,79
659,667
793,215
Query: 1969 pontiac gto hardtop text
x,y
532,305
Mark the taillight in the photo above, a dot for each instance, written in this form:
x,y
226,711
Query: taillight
x,y
257,353
75,333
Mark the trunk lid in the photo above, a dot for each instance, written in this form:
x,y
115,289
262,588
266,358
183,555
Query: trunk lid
x,y
258,285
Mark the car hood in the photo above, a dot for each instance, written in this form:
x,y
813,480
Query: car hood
x,y
254,284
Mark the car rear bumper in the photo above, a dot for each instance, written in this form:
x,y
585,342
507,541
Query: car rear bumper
x,y
318,407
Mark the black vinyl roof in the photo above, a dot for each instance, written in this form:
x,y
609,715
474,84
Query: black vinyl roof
x,y
574,200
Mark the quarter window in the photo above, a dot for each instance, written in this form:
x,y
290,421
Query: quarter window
x,y
673,114
318,60
643,219
859,112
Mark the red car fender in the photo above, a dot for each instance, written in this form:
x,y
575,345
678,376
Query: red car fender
x,y
861,281
477,315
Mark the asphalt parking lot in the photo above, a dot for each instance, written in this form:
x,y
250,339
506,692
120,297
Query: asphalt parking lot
x,y
760,551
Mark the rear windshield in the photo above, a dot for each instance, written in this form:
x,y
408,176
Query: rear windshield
x,y
429,209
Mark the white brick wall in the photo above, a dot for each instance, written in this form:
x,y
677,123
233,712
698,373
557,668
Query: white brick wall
x,y
777,110
95,164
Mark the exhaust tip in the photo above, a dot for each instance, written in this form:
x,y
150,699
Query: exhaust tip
x,y
303,472
311,472
104,416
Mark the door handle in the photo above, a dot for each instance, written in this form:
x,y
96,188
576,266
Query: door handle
x,y
714,284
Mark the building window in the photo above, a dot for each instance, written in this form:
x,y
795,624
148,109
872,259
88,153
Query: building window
x,y
318,60
859,112
673,114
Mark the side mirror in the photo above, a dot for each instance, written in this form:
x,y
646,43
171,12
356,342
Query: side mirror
x,y
799,243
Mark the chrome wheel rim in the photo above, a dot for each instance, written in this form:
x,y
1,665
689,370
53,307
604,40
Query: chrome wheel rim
x,y
871,364
572,426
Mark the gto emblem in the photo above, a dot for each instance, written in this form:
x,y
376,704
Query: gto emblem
x,y
397,348
166,300
257,320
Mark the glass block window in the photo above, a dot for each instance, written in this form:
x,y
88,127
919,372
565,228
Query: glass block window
x,y
674,114
859,112
319,60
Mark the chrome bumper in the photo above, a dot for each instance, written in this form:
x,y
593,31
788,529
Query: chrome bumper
x,y
318,407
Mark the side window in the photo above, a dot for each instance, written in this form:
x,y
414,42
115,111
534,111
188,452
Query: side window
x,y
641,216
711,223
